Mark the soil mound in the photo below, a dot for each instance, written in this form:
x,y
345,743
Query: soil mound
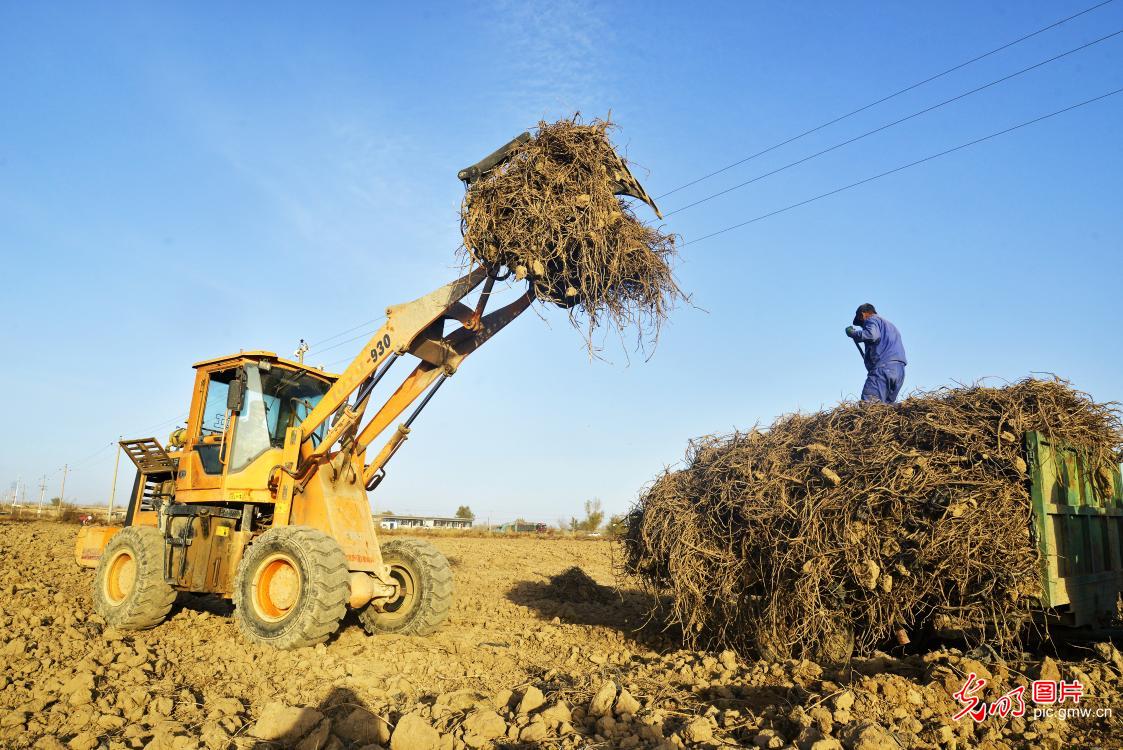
x,y
575,585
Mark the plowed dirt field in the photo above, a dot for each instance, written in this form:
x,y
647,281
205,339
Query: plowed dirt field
x,y
523,661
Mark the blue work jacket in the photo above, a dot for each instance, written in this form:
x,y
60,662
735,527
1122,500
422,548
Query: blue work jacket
x,y
883,342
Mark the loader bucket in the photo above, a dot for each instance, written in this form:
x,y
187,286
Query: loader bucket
x,y
626,183
91,542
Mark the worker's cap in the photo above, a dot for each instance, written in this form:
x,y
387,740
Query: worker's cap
x,y
866,308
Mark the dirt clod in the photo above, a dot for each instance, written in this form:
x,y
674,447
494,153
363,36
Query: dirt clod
x,y
363,727
482,726
626,704
602,701
532,700
413,732
284,723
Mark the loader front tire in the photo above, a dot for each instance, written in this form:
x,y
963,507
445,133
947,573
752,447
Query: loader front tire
x,y
129,587
424,597
291,588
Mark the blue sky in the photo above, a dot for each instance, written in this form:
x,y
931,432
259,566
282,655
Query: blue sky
x,y
179,181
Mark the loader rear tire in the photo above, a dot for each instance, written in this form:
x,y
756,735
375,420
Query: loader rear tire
x,y
291,588
129,587
424,591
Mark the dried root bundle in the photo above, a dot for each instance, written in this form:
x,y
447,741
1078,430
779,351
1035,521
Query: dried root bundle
x,y
550,215
861,522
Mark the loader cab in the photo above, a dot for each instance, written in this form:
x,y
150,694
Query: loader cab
x,y
240,409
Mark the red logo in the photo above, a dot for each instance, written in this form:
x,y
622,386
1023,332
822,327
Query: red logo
x,y
1042,692
973,705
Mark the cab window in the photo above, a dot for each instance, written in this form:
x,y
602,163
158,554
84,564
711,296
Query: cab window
x,y
276,399
213,419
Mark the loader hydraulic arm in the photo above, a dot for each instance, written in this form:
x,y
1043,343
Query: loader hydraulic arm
x,y
412,329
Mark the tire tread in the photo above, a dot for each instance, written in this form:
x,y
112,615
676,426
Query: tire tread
x,y
436,596
328,579
152,597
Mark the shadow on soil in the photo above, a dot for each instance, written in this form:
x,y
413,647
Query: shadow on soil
x,y
302,723
572,597
224,608
214,605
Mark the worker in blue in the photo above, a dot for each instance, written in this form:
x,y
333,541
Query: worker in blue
x,y
884,354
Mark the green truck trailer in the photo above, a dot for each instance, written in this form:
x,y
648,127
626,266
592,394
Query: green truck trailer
x,y
1078,530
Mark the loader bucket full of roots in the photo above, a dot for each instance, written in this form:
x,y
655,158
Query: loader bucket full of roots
x,y
863,525
550,213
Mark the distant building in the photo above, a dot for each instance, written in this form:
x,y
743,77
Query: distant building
x,y
523,528
423,522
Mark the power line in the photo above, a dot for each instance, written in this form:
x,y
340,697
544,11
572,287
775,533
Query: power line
x,y
91,457
158,425
905,166
344,333
338,361
112,443
367,334
884,99
894,123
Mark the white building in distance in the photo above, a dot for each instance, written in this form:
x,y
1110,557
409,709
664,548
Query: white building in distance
x,y
423,522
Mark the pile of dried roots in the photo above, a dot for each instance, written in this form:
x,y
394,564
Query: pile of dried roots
x,y
550,215
864,522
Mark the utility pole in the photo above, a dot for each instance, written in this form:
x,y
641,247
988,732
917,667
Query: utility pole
x,y
42,493
62,490
113,491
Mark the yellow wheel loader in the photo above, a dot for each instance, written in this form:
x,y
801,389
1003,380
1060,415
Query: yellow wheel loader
x,y
263,497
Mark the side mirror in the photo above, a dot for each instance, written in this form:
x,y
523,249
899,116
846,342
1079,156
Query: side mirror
x,y
236,395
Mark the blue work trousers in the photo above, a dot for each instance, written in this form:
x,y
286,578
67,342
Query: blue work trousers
x,y
884,382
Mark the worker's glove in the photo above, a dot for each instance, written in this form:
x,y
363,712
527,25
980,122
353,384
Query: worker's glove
x,y
852,331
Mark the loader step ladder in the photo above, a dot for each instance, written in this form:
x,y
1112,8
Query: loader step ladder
x,y
148,455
